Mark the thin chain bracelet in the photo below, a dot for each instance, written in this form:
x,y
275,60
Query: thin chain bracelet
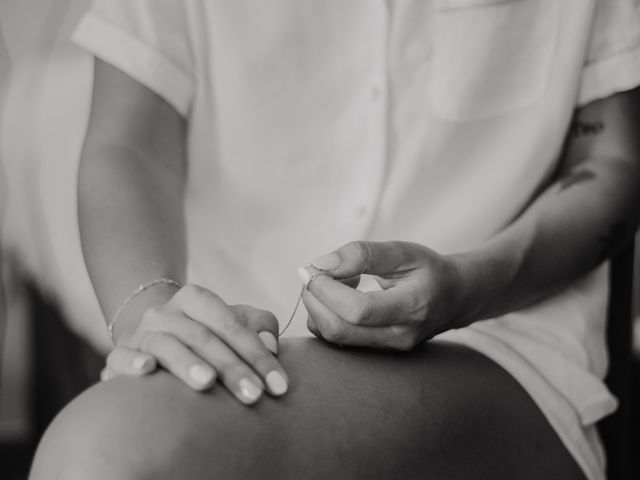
x,y
138,291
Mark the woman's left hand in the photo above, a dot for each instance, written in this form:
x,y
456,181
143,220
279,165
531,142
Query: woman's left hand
x,y
418,299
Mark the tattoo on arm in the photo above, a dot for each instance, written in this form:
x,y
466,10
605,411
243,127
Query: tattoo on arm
x,y
585,129
574,177
618,232
579,129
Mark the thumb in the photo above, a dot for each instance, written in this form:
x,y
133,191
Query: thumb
x,y
374,258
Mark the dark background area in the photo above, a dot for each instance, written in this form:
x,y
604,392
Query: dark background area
x,y
64,365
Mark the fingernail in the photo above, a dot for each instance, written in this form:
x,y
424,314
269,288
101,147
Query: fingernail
x,y
327,262
140,362
249,391
105,375
200,374
269,341
304,275
277,383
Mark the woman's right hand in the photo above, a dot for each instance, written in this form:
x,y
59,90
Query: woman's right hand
x,y
200,339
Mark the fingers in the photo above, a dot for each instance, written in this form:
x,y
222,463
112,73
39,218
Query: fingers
x,y
375,258
173,355
207,308
270,341
232,328
263,322
266,326
325,323
126,361
201,339
225,337
352,282
106,374
244,378
195,355
359,308
312,326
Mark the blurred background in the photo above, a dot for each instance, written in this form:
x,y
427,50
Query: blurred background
x,y
51,331
52,335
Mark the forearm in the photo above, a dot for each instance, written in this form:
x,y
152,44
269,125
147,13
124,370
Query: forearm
x,y
565,233
580,220
130,194
131,225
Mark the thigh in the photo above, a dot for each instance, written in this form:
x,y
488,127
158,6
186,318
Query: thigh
x,y
440,412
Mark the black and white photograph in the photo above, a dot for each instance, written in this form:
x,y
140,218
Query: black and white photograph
x,y
319,239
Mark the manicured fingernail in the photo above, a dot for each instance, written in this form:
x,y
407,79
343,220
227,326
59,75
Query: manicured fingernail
x,y
269,341
140,362
249,391
200,374
105,375
327,262
304,275
277,383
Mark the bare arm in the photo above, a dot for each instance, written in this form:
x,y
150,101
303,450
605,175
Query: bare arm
x,y
590,210
131,185
130,194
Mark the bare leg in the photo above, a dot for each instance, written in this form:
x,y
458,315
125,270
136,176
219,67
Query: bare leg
x,y
441,412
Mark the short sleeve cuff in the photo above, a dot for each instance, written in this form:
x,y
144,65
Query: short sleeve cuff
x,y
609,75
135,58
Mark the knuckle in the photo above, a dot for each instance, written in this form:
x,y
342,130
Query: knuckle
x,y
395,245
242,320
263,362
404,346
402,340
267,319
136,338
242,310
312,326
200,336
231,324
151,315
188,291
397,253
360,313
151,341
361,251
233,371
333,332
114,355
417,308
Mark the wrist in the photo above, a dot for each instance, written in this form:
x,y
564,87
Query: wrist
x,y
482,277
126,320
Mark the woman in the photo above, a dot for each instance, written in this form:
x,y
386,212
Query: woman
x,y
471,162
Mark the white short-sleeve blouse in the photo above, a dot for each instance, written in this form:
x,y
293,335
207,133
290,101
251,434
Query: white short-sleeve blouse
x,y
316,122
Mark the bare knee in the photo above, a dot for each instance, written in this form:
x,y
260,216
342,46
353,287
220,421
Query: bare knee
x,y
152,428
88,439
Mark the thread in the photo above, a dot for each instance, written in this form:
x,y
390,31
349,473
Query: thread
x,y
317,273
293,314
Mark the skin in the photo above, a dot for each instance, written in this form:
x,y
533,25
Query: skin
x,y
135,147
441,411
131,187
577,222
